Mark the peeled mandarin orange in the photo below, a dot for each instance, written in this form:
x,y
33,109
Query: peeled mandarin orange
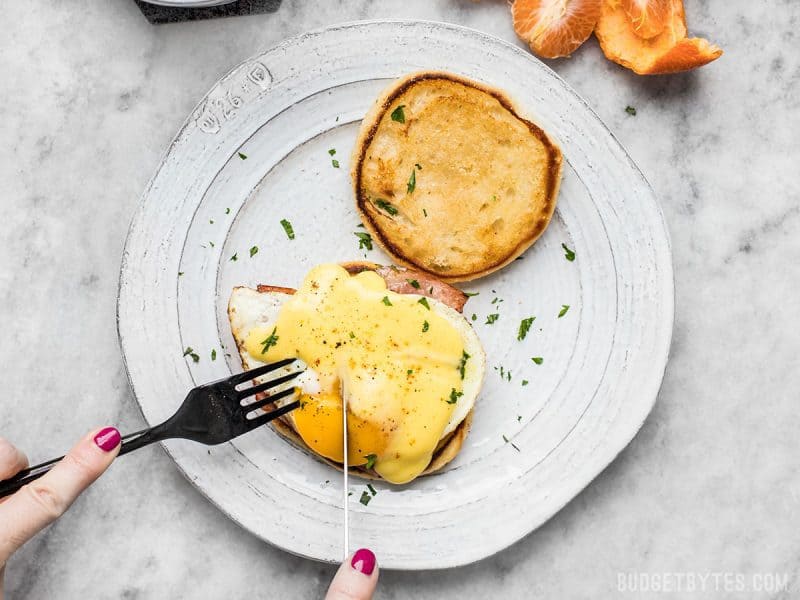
x,y
668,52
555,28
649,17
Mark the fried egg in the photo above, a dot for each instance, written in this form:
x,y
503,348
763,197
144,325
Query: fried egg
x,y
409,367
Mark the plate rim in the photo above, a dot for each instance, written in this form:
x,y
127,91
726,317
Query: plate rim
x,y
668,277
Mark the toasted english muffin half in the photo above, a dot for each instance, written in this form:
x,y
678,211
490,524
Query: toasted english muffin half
x,y
397,280
450,179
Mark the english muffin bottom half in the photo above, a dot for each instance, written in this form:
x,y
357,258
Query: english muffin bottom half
x,y
450,179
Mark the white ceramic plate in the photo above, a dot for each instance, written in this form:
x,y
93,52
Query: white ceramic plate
x,y
189,3
603,360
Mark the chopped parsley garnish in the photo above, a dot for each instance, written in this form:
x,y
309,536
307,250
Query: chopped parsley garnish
x,y
372,490
242,156
364,240
386,301
332,151
462,365
412,182
513,445
454,396
414,283
524,328
180,273
211,244
538,360
190,352
227,211
386,206
211,221
471,294
365,498
425,326
497,300
287,227
492,318
253,251
371,458
563,311
398,114
335,163
524,382
568,254
213,354
519,418
630,110
270,341
474,317
410,372
424,302
235,257
352,335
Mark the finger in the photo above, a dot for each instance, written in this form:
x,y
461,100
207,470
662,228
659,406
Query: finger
x,y
356,578
12,460
42,501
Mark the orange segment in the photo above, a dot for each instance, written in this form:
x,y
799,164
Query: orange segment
x,y
649,17
555,28
668,52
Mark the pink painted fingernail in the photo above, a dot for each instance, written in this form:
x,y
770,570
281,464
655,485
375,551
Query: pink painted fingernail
x,y
107,439
363,561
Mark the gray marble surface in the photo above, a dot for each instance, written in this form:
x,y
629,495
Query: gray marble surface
x,y
90,97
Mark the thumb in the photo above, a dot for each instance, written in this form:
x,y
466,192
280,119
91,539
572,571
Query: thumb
x,y
356,578
39,503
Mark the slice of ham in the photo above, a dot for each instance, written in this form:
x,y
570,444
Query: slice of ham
x,y
398,280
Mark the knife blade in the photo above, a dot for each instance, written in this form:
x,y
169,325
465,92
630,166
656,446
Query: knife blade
x,y
345,497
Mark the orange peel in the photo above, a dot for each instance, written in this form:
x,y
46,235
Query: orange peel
x,y
671,51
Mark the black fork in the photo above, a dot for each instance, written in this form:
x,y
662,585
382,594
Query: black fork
x,y
210,414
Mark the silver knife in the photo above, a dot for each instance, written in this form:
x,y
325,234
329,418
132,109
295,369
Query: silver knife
x,y
345,498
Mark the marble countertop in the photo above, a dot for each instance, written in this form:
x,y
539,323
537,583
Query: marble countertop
x,y
711,484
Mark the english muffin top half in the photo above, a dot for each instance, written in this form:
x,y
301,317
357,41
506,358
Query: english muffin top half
x,y
450,179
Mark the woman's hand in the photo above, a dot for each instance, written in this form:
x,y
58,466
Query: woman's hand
x,y
41,502
356,578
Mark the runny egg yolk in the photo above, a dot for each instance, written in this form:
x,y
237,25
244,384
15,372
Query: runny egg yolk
x,y
396,361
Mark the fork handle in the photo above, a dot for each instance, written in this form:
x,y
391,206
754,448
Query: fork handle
x,y
130,442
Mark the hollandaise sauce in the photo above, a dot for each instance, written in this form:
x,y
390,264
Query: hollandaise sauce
x,y
396,359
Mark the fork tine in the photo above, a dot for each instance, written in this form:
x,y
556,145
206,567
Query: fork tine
x,y
258,371
240,394
271,398
261,420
